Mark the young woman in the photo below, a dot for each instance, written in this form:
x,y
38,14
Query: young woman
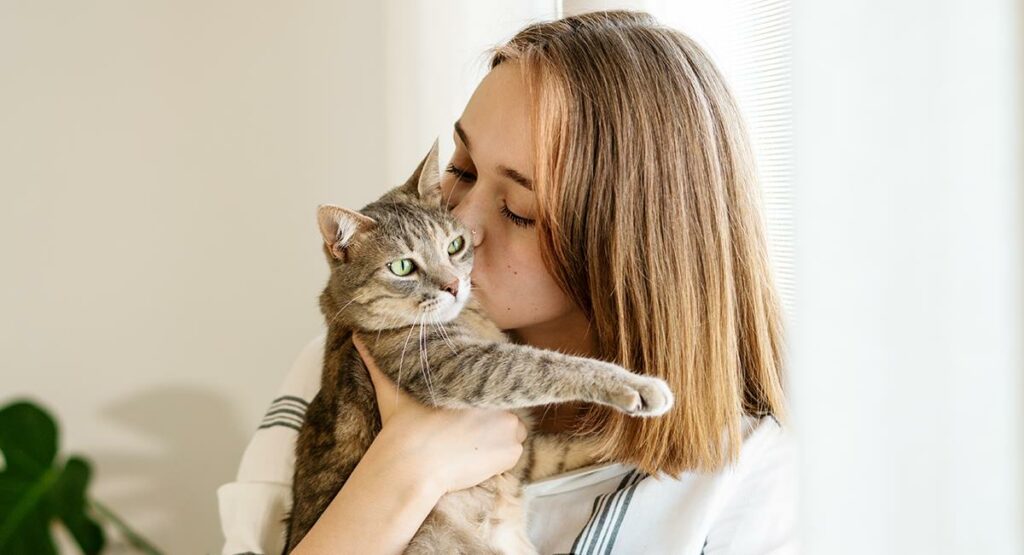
x,y
603,169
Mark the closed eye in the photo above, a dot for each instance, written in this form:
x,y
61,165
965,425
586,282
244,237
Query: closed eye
x,y
516,218
466,175
459,173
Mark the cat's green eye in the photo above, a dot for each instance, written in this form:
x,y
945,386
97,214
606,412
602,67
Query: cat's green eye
x,y
402,267
456,245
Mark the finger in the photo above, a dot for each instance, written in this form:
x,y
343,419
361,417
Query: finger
x,y
384,389
521,431
378,377
361,347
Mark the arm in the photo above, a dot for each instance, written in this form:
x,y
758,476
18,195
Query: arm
x,y
378,495
379,508
420,454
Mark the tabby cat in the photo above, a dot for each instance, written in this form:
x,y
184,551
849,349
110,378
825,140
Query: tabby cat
x,y
400,275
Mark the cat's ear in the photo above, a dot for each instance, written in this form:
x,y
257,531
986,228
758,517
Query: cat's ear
x,y
429,186
339,226
425,182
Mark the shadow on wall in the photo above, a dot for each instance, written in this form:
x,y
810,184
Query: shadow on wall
x,y
171,496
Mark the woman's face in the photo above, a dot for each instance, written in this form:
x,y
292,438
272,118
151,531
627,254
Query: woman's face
x,y
488,185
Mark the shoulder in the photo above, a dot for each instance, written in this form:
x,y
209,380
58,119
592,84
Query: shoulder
x,y
746,507
757,509
767,444
303,378
252,507
311,358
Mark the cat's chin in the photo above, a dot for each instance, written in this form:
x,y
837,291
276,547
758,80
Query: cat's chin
x,y
448,312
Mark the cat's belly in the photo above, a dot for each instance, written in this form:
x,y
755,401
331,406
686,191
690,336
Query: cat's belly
x,y
493,511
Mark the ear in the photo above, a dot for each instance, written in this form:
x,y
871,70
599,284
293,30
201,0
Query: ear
x,y
339,226
425,182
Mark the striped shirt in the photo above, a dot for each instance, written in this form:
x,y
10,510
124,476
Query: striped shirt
x,y
747,508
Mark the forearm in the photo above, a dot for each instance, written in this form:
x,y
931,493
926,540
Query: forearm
x,y
377,511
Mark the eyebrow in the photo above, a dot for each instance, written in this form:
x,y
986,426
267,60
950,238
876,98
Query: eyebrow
x,y
516,176
462,134
506,171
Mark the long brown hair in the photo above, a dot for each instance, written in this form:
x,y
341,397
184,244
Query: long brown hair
x,y
650,220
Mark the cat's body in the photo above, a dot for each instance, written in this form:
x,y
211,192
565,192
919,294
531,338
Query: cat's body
x,y
444,351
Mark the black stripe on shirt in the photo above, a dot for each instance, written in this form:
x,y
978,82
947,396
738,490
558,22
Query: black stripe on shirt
x,y
284,423
289,401
296,419
606,516
297,414
622,513
285,411
595,513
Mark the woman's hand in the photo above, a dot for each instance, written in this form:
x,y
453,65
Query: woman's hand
x,y
446,449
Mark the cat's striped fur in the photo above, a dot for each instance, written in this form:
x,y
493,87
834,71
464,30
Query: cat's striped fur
x,y
435,342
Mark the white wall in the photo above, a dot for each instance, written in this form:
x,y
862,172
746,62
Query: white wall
x,y
160,164
907,358
435,54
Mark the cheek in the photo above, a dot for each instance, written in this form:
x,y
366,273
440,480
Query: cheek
x,y
518,290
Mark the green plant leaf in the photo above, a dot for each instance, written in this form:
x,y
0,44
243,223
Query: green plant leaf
x,y
35,489
33,537
68,497
133,537
25,514
28,439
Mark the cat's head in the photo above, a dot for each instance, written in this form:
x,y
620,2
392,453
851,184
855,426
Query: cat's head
x,y
402,260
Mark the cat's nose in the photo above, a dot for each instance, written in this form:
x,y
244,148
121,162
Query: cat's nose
x,y
453,287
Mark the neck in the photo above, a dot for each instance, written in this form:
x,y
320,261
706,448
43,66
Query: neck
x,y
570,334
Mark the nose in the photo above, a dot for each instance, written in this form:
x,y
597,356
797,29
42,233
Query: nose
x,y
471,216
453,287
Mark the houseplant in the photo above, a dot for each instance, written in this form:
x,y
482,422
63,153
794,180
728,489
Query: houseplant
x,y
38,488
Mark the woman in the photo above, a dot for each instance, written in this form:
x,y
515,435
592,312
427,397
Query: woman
x,y
604,171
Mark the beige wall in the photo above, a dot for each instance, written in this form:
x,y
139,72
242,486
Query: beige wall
x,y
160,165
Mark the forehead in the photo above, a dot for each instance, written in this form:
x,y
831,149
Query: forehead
x,y
497,120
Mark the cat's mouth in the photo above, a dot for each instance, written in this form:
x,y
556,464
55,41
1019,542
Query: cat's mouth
x,y
445,308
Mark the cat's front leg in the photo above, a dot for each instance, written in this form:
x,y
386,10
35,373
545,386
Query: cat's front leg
x,y
464,374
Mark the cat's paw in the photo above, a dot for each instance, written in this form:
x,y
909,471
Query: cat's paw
x,y
644,396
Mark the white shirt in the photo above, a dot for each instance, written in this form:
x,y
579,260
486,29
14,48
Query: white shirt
x,y
747,508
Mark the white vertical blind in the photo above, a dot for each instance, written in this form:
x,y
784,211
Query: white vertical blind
x,y
762,81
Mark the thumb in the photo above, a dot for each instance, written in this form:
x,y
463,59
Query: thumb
x,y
385,389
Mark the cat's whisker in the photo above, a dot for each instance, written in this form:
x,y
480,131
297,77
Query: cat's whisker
x,y
342,309
425,370
401,360
398,380
447,201
436,322
391,322
444,334
425,360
